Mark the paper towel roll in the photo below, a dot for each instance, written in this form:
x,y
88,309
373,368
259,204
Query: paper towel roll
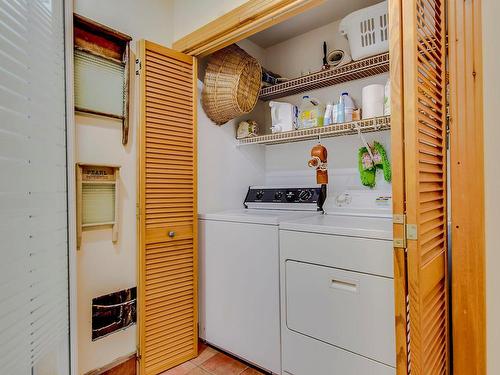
x,y
373,101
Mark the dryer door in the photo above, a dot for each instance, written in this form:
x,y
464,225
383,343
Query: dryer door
x,y
351,310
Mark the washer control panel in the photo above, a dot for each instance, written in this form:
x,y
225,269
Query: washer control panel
x,y
343,199
284,198
360,202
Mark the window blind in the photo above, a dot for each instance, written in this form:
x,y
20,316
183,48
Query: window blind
x,y
33,209
99,84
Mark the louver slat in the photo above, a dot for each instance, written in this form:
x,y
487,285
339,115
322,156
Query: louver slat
x,y
168,265
425,158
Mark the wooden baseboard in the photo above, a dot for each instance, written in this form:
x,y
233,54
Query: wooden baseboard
x,y
126,365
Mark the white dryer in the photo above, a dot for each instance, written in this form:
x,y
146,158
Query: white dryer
x,y
337,293
239,272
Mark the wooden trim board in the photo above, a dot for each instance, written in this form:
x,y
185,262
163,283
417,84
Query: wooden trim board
x,y
240,23
141,203
467,187
126,365
398,181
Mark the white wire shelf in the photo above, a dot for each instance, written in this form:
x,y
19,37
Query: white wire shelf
x,y
336,130
355,70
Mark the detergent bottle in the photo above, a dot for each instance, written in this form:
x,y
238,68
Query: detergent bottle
x,y
311,113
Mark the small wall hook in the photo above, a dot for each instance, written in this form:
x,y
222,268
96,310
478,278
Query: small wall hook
x,y
365,143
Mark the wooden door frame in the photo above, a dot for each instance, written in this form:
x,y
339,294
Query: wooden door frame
x,y
468,259
467,187
398,181
240,23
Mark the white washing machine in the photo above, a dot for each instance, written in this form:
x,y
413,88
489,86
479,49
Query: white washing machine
x,y
239,290
337,292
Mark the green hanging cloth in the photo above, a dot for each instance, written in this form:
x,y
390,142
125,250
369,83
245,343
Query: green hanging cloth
x,y
381,161
367,170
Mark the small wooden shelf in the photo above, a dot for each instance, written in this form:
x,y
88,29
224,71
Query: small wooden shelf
x,y
336,130
355,70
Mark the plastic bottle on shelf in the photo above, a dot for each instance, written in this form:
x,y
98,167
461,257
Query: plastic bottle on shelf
x,y
341,110
311,113
349,107
327,119
335,113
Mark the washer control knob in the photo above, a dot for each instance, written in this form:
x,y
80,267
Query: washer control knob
x,y
278,195
305,195
343,199
259,195
290,196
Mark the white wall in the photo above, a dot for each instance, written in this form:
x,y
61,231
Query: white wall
x,y
221,163
151,19
300,55
224,170
104,267
254,50
304,53
491,55
342,151
193,14
224,175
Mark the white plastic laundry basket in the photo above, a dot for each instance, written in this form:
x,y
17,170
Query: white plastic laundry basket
x,y
367,31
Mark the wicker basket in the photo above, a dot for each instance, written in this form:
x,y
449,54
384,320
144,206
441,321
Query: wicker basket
x,y
232,84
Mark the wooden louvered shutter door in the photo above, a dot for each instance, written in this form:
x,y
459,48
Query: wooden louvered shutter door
x,y
168,325
424,54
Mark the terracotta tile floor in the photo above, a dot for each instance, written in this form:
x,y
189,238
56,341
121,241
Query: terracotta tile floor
x,y
210,361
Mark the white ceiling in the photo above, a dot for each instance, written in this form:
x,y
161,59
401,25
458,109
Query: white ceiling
x,y
329,11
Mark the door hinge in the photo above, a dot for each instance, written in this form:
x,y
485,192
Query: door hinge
x,y
138,66
138,354
400,242
409,231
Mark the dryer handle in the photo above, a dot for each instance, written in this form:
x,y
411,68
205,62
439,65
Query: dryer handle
x,y
345,285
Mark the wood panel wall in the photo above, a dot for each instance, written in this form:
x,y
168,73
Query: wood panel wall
x,y
467,187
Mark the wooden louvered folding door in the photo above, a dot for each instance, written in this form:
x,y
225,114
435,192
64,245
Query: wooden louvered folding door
x,y
424,87
167,209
